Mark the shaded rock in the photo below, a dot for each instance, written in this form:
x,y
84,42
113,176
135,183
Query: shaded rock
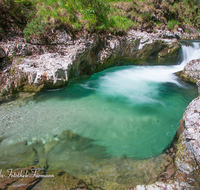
x,y
136,46
150,50
2,56
170,53
69,135
168,173
2,53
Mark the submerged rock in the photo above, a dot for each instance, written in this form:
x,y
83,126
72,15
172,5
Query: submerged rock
x,y
50,145
1,139
16,155
63,181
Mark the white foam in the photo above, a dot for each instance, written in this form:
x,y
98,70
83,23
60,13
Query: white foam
x,y
140,84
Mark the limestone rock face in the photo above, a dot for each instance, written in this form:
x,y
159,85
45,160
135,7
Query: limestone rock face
x,y
169,53
191,71
191,134
187,158
139,46
36,65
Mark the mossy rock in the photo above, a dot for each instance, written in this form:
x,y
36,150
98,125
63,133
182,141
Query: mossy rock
x,y
169,53
1,139
40,154
17,155
50,145
185,77
62,180
31,88
75,141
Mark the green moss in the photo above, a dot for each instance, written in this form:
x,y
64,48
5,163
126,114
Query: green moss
x,y
31,88
171,24
12,71
186,78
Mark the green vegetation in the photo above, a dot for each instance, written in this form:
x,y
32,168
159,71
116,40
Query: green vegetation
x,y
172,23
39,18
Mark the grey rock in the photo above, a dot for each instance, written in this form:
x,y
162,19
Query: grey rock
x,y
191,72
192,125
169,185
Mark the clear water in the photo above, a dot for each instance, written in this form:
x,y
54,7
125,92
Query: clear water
x,y
120,115
131,111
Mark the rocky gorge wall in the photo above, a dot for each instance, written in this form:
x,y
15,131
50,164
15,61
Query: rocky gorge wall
x,y
34,66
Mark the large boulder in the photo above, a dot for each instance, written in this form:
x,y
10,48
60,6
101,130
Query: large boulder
x,y
191,71
187,158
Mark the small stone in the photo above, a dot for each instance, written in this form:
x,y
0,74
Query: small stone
x,y
140,187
